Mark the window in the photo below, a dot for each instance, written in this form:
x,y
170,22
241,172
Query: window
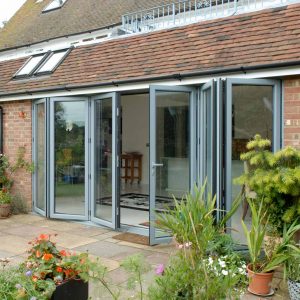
x,y
31,65
42,64
52,62
55,4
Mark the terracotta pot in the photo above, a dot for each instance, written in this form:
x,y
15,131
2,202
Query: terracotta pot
x,y
5,210
259,283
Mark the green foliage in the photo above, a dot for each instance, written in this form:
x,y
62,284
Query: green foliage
x,y
255,236
276,180
5,197
205,266
6,173
293,266
136,266
255,241
18,205
210,278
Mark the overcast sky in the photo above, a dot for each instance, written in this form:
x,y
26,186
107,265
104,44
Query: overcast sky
x,y
8,8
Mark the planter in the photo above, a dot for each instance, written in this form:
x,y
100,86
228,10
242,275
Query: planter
x,y
5,210
72,290
259,283
294,289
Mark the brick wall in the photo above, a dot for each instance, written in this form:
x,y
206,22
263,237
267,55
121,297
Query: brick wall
x,y
292,112
18,133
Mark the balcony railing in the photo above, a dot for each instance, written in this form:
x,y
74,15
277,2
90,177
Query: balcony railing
x,y
191,11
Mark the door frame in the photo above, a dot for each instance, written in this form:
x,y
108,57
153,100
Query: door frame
x,y
276,138
193,144
44,101
53,214
115,223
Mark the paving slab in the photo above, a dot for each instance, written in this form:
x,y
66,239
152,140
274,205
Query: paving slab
x,y
88,231
71,241
13,244
27,231
107,249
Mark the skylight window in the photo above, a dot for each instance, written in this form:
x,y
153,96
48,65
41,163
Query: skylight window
x,y
55,4
52,62
31,65
42,64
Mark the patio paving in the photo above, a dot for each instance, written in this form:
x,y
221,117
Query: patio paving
x,y
16,231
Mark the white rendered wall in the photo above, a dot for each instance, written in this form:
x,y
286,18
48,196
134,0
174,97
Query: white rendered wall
x,y
135,131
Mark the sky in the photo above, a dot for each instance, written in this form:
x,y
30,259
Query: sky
x,y
8,8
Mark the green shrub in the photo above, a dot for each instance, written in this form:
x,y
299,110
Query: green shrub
x,y
275,177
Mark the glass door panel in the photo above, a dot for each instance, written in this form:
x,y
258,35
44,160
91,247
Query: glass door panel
x,y
104,156
252,108
206,123
40,157
170,151
69,140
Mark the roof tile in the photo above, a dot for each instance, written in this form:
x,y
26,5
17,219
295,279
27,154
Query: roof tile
x,y
263,37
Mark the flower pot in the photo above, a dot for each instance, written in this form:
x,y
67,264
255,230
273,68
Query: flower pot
x,y
259,283
5,210
294,289
72,290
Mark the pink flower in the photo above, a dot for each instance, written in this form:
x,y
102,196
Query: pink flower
x,y
160,269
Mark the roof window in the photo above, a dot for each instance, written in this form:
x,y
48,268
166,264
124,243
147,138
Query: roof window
x,y
42,64
31,65
52,62
55,4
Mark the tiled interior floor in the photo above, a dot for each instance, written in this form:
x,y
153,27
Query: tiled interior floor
x,y
16,231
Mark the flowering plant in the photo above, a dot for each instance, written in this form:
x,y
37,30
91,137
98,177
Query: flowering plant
x,y
46,262
46,267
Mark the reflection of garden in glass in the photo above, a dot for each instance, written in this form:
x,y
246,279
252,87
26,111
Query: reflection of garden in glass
x,y
40,165
103,159
70,157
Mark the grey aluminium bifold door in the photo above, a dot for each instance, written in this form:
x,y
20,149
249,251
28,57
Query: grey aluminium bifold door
x,y
40,156
209,137
252,107
104,160
172,150
69,177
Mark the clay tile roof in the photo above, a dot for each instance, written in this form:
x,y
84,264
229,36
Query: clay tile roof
x,y
265,37
29,25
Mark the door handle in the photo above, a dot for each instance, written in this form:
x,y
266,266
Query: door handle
x,y
155,165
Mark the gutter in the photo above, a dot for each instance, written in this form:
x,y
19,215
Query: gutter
x,y
178,76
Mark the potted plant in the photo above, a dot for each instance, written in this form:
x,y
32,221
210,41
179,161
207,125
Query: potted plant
x,y
261,268
50,269
293,274
5,204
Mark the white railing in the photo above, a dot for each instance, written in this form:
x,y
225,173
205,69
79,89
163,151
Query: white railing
x,y
191,11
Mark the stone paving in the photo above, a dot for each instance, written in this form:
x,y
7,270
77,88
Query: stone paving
x,y
16,231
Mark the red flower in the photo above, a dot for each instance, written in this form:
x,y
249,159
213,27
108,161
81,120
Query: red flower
x,y
63,253
38,254
47,256
59,269
34,278
43,237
